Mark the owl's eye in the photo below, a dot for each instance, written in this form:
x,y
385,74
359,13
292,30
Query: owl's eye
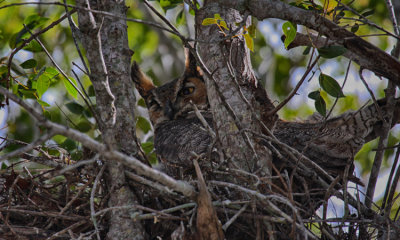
x,y
187,90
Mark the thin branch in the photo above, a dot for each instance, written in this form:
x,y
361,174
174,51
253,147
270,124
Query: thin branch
x,y
60,70
25,42
79,164
58,234
384,64
388,197
141,180
294,91
344,83
363,19
92,193
28,147
233,219
179,186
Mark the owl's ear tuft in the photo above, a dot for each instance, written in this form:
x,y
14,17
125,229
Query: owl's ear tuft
x,y
142,82
191,68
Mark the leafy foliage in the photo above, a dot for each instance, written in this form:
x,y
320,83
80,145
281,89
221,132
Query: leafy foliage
x,y
32,77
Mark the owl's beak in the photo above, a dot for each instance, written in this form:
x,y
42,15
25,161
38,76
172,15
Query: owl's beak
x,y
169,110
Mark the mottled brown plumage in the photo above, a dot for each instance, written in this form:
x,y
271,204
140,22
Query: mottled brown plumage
x,y
332,144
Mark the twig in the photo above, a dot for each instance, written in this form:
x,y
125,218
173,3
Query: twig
x,y
58,234
344,82
75,32
60,70
79,164
366,21
371,94
294,91
92,193
93,11
393,186
232,219
28,147
81,189
203,121
149,183
25,42
42,214
163,19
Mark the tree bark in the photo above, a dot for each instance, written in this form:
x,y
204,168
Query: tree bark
x,y
232,91
105,39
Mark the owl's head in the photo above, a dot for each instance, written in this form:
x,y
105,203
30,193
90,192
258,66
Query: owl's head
x,y
172,100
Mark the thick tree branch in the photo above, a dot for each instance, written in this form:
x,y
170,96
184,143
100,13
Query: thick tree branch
x,y
131,162
369,55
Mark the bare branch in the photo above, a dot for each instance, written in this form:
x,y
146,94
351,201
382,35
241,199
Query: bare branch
x,y
382,63
179,186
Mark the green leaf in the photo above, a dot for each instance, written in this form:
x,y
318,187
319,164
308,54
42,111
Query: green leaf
x,y
31,63
368,13
217,16
16,38
47,114
143,124
91,92
180,18
87,113
168,4
31,22
3,69
209,21
252,29
222,23
35,21
3,165
319,102
41,71
331,51
43,103
33,46
84,126
43,83
142,103
71,89
75,108
27,93
340,15
331,86
192,11
14,88
306,50
355,28
314,95
320,106
68,144
249,41
165,3
290,31
51,72
147,147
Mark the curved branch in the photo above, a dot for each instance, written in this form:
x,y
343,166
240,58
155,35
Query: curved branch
x,y
111,155
371,57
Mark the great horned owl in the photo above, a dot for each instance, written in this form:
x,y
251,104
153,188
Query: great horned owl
x,y
172,100
331,144
178,131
